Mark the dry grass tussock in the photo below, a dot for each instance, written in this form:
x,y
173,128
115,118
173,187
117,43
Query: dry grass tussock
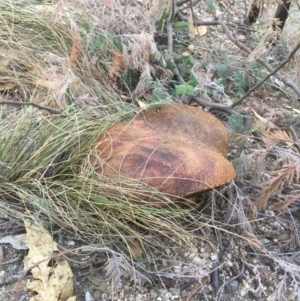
x,y
56,56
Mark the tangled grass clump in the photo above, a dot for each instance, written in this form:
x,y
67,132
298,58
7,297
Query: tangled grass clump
x,y
45,168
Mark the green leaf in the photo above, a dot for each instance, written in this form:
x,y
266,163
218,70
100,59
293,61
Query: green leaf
x,y
211,5
69,98
180,24
193,81
184,90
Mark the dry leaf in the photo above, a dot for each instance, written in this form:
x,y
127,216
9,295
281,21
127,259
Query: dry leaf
x,y
195,30
271,132
51,283
142,104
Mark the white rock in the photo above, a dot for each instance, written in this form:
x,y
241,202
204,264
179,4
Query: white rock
x,y
244,292
88,297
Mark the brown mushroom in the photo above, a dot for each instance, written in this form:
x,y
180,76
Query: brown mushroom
x,y
179,150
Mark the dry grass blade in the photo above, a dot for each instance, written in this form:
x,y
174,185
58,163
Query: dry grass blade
x,y
237,204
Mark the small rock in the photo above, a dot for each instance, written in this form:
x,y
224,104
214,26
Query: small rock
x,y
229,263
244,292
177,269
168,295
197,259
88,297
159,298
168,251
214,257
191,47
241,38
97,295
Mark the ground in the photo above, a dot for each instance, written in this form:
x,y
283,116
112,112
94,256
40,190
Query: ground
x,y
225,257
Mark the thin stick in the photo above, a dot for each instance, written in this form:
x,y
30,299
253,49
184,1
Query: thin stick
x,y
170,42
20,103
196,289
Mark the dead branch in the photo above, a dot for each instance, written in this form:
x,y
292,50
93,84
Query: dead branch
x,y
20,103
211,106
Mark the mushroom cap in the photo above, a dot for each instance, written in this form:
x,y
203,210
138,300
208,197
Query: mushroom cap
x,y
177,149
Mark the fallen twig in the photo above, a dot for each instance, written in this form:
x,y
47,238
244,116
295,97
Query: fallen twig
x,y
196,289
8,262
211,106
20,103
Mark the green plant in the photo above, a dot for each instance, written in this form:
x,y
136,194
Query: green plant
x,y
236,122
184,90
